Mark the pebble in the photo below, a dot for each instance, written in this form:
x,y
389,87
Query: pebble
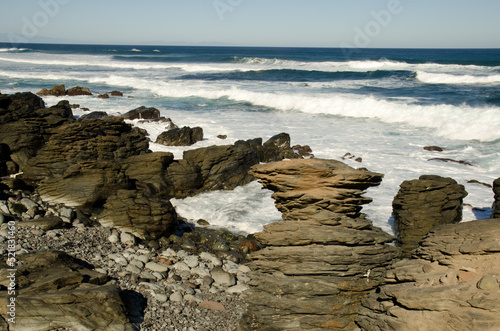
x,y
488,283
158,267
127,239
176,297
222,277
238,289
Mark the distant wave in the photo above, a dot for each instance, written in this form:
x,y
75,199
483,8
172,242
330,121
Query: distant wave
x,y
252,65
453,122
14,50
438,78
294,75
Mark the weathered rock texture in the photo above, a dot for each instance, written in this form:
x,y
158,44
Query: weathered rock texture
x,y
185,136
324,257
26,125
80,164
142,113
133,212
424,203
450,283
496,204
54,290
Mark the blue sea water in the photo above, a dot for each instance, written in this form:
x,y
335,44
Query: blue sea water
x,y
383,105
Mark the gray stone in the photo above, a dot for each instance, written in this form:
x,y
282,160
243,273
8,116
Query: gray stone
x,y
28,203
161,297
127,239
133,269
488,283
222,277
67,214
191,261
238,289
158,267
176,297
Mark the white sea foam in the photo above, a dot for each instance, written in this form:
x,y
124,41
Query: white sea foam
x,y
453,122
251,64
439,78
13,50
245,209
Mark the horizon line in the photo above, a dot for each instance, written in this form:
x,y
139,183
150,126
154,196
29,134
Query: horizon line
x,y
229,45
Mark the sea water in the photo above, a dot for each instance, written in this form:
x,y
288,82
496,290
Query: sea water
x,y
382,105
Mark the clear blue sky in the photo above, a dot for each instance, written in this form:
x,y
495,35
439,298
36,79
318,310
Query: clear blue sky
x,y
322,23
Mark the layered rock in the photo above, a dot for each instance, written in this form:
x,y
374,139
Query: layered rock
x,y
26,125
185,136
80,163
324,257
450,283
54,290
496,204
135,213
424,203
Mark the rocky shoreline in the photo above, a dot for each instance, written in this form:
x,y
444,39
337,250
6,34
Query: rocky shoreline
x,y
87,223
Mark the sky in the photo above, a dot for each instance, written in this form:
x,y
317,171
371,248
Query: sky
x,y
280,23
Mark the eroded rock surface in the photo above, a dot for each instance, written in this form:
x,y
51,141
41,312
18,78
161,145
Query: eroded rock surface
x,y
424,203
441,286
496,203
324,257
55,290
80,164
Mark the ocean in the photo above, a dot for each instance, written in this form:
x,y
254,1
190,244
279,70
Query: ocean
x,y
382,105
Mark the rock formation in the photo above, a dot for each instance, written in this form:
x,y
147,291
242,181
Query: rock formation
x,y
55,290
80,164
26,125
496,204
450,283
185,136
135,213
56,91
424,203
324,257
78,90
142,113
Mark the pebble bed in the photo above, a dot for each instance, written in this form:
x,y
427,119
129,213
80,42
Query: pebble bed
x,y
165,289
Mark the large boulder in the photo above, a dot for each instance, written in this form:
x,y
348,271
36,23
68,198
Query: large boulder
x,y
56,91
148,171
212,168
132,211
26,125
81,162
450,283
277,148
496,204
55,290
142,113
78,90
185,136
424,203
324,257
